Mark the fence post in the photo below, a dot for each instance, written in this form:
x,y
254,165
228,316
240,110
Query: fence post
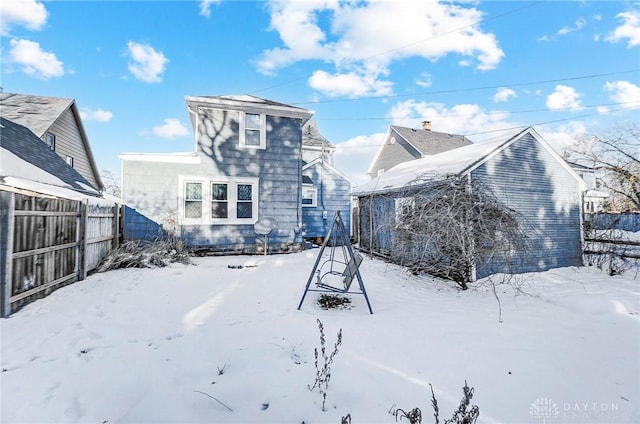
x,y
82,233
7,219
115,226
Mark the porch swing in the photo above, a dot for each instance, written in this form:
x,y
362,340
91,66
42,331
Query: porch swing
x,y
339,268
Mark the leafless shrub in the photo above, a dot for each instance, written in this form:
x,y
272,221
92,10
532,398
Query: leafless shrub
x,y
323,363
465,414
450,228
609,250
138,254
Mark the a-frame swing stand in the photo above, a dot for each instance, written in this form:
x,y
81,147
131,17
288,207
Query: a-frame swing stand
x,y
336,274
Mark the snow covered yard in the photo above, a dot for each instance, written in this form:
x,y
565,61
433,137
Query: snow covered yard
x,y
210,343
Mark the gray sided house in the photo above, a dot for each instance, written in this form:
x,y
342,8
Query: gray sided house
x,y
406,144
247,166
57,122
522,172
325,190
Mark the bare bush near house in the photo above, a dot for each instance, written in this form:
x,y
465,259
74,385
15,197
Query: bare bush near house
x,y
449,228
606,250
137,254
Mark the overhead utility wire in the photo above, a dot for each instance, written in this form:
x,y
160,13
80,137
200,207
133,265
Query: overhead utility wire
x,y
538,124
500,15
496,112
458,90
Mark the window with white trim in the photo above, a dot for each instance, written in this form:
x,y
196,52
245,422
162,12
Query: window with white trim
x,y
219,200
253,130
69,160
192,200
229,200
309,196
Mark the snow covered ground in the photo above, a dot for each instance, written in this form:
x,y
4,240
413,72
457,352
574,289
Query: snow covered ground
x,y
212,344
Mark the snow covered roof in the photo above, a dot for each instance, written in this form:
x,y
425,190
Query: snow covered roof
x,y
28,163
430,168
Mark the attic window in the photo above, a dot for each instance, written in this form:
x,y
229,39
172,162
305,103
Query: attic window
x,y
50,140
253,134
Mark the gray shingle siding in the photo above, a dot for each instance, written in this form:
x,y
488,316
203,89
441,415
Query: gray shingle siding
x,y
333,194
413,144
156,192
393,154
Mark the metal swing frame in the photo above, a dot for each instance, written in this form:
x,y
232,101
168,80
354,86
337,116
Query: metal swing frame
x,y
336,237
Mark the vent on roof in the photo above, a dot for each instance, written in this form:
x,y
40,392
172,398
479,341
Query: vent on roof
x,y
426,125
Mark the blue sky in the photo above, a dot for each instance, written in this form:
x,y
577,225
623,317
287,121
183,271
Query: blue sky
x,y
470,67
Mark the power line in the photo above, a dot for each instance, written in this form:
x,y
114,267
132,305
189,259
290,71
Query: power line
x,y
458,90
538,124
497,112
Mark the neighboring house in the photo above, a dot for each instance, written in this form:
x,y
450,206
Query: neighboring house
x,y
26,163
405,144
247,166
325,190
593,198
54,225
56,121
522,171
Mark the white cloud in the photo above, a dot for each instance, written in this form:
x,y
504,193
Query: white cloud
x,y
205,7
354,156
35,61
172,127
146,64
98,115
349,84
424,80
503,94
465,119
430,29
625,93
27,13
577,26
630,29
562,136
564,98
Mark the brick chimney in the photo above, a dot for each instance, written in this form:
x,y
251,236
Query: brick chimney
x,y
426,125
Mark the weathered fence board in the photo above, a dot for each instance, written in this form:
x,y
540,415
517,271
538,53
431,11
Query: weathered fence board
x,y
613,221
49,242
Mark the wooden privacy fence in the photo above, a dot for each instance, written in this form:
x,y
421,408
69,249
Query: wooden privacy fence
x,y
49,242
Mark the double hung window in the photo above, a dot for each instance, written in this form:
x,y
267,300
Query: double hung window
x,y
231,200
253,134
